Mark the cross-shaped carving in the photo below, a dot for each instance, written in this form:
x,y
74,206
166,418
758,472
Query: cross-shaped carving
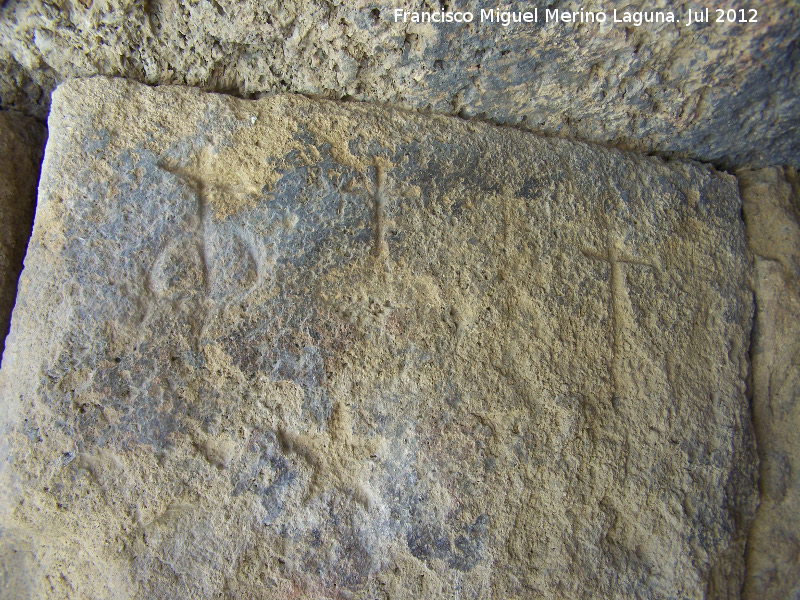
x,y
622,310
378,191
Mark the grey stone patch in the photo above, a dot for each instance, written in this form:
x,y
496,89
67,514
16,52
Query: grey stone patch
x,y
341,351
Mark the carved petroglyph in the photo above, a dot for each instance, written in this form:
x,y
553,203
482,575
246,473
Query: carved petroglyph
x,y
615,254
337,457
377,212
376,205
223,261
375,196
506,220
208,264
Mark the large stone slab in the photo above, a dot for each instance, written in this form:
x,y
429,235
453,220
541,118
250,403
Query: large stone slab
x,y
21,147
771,199
727,92
290,348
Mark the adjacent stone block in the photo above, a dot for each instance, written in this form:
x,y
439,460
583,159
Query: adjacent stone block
x,y
289,348
21,146
723,90
771,200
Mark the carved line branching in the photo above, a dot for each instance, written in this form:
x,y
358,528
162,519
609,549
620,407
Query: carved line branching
x,y
199,240
621,309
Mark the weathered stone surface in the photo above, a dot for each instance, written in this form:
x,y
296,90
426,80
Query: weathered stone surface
x,y
722,93
771,201
21,146
290,348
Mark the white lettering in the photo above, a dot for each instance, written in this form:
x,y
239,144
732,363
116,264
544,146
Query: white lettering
x,y
432,17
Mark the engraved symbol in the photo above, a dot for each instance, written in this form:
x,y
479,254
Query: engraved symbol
x,y
336,457
622,310
379,192
506,219
209,263
376,211
221,260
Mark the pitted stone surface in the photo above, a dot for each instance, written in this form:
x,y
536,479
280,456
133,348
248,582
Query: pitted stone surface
x,y
727,93
291,348
21,146
771,199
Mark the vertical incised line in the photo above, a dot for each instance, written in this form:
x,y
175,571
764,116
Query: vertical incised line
x,y
201,234
506,224
377,210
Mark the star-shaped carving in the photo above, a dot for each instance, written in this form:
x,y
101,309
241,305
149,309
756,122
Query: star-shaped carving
x,y
336,456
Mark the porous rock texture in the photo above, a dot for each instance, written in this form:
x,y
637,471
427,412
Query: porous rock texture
x,y
727,93
771,200
21,147
292,348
